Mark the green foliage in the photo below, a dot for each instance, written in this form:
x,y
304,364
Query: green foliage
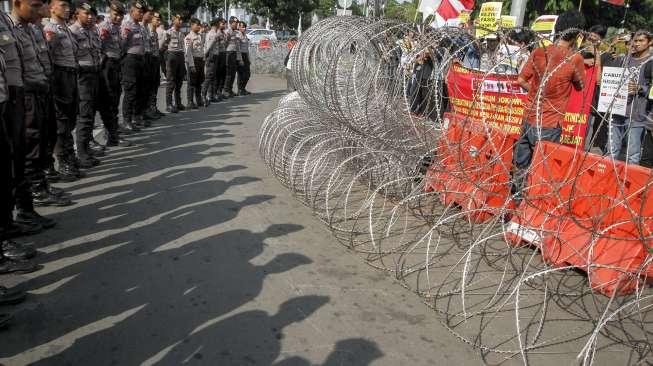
x,y
403,11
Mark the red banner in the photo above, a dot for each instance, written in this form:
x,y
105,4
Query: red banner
x,y
499,101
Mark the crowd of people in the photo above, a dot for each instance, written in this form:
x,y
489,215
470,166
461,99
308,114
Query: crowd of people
x,y
60,66
507,52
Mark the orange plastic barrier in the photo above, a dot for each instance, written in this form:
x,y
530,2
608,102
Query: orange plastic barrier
x,y
472,168
264,44
589,212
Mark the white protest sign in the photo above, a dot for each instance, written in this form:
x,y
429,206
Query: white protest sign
x,y
613,95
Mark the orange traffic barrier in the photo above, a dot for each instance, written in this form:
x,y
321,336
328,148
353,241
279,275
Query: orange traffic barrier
x,y
472,168
589,212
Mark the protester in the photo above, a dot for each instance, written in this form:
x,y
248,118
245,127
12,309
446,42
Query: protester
x,y
419,87
633,125
548,76
597,132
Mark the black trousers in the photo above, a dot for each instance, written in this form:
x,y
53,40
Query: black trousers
x,y
109,96
88,82
50,126
195,82
163,56
244,72
232,68
64,90
36,139
14,117
6,190
210,73
155,81
175,68
220,72
132,86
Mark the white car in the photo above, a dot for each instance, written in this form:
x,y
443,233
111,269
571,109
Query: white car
x,y
256,35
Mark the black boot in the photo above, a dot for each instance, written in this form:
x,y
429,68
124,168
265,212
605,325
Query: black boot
x,y
9,266
15,251
11,296
32,217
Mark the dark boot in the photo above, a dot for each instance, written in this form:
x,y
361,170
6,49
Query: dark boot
x,y
15,251
11,296
9,266
32,217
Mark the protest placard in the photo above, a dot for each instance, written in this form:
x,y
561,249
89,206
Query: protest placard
x,y
489,18
613,95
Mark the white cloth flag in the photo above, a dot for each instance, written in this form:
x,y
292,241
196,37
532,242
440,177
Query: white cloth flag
x,y
427,7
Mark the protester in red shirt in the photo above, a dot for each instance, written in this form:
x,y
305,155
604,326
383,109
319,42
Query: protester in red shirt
x,y
548,76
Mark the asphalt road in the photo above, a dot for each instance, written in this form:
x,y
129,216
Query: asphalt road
x,y
182,249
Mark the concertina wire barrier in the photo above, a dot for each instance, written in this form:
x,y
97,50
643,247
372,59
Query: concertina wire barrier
x,y
566,273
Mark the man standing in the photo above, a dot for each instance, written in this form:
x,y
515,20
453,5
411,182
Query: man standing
x,y
174,44
233,56
161,37
149,68
154,65
88,81
548,76
211,53
194,57
634,125
221,64
31,188
64,83
110,90
244,67
133,49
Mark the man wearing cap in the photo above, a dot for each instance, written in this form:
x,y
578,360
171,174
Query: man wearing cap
x,y
110,90
64,82
149,69
211,53
174,43
194,58
88,81
233,56
154,65
163,48
133,49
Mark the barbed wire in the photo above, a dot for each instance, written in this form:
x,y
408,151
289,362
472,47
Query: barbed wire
x,y
389,183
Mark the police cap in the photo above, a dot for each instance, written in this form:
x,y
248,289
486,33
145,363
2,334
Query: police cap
x,y
118,7
156,15
233,19
83,5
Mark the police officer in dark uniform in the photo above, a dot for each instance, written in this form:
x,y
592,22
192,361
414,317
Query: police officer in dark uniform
x,y
63,49
154,65
221,63
149,70
110,89
233,56
175,65
88,81
12,133
133,49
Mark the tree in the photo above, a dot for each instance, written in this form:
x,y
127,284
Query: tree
x,y
283,12
402,11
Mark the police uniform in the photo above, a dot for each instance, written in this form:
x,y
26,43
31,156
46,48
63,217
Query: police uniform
x,y
64,81
50,125
154,65
233,59
161,38
11,90
221,65
36,88
194,58
150,69
110,83
211,54
133,49
88,84
244,67
175,68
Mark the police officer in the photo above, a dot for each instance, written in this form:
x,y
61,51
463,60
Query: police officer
x,y
161,35
221,66
149,69
154,64
133,48
110,89
194,57
211,54
63,49
12,161
244,67
88,81
233,56
174,44
33,189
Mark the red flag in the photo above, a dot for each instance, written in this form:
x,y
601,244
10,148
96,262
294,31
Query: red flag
x,y
615,2
450,9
